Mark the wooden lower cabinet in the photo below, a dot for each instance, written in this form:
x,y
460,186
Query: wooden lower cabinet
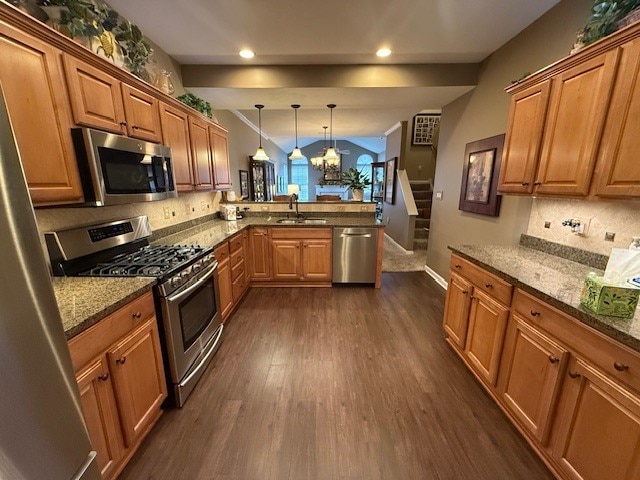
x,y
99,408
302,254
121,378
286,260
572,392
317,260
597,432
259,254
457,308
531,374
224,287
487,326
138,377
232,275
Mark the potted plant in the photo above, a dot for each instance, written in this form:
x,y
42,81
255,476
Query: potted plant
x,y
606,17
356,181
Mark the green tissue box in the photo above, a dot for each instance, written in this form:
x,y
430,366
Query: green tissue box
x,y
610,300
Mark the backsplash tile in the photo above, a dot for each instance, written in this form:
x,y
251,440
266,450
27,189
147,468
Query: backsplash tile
x,y
619,217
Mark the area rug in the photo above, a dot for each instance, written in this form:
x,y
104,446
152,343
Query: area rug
x,y
397,259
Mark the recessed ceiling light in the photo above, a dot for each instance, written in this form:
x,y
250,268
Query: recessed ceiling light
x,y
383,52
246,53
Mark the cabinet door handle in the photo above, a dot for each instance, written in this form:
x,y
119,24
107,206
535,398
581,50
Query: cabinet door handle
x,y
123,124
488,285
621,367
104,377
524,184
134,127
574,375
537,183
465,292
534,313
121,360
136,315
472,297
458,266
553,359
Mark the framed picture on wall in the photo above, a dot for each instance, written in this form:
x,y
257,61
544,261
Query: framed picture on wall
x,y
244,184
479,191
425,126
389,181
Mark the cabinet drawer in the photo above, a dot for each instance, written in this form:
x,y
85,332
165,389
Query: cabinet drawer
x,y
301,233
221,252
615,359
238,287
489,283
235,243
237,257
237,270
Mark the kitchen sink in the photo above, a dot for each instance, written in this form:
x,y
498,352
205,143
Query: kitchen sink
x,y
303,221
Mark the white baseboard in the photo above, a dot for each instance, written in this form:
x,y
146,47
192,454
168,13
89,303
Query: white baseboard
x,y
439,280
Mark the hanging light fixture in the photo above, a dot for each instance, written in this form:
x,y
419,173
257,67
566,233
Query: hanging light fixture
x,y
296,154
318,160
331,156
260,153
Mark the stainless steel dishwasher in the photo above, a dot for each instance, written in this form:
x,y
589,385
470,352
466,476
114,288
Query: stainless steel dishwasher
x,y
354,255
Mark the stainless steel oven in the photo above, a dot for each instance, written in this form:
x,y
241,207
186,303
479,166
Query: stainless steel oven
x,y
192,328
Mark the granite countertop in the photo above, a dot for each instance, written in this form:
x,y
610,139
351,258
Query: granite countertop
x,y
84,301
555,280
212,233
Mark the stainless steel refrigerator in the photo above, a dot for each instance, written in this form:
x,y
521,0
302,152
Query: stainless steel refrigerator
x,y
42,433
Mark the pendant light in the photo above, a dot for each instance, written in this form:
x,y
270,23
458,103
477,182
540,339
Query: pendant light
x,y
260,153
296,154
331,156
318,160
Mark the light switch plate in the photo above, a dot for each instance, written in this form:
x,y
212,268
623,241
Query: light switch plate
x,y
439,195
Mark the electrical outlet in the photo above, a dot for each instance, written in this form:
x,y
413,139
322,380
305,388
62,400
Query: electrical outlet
x,y
364,208
166,213
203,205
438,195
173,213
547,224
609,236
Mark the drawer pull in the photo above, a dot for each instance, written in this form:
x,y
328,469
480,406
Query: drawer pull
x,y
488,285
537,183
121,360
524,184
465,292
621,367
553,359
104,377
534,313
458,266
123,124
135,127
136,315
574,375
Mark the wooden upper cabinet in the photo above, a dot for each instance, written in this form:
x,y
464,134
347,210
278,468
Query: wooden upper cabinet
x,y
220,152
524,136
618,162
532,368
485,336
96,98
98,409
143,114
138,375
200,154
575,118
596,435
457,308
37,100
175,134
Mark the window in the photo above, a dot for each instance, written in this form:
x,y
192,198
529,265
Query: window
x,y
300,176
363,165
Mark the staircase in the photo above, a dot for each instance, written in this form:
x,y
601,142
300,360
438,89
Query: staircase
x,y
422,194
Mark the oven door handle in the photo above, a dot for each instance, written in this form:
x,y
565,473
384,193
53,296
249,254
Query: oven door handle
x,y
207,275
210,349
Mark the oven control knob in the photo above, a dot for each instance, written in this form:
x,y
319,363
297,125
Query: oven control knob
x,y
197,266
184,276
176,281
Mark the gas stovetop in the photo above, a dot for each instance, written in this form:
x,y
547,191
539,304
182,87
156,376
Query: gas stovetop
x,y
148,261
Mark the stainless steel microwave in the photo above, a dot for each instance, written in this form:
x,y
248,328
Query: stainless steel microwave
x,y
116,170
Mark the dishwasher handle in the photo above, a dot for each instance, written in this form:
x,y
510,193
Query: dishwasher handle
x,y
363,235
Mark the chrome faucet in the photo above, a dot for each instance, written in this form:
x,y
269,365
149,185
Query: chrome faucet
x,y
294,197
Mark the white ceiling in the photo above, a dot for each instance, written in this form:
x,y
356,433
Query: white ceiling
x,y
283,32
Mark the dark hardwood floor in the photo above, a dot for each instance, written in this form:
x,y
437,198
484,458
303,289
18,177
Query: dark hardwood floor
x,y
340,383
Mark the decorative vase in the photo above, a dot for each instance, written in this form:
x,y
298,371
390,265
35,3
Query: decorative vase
x,y
357,194
163,82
